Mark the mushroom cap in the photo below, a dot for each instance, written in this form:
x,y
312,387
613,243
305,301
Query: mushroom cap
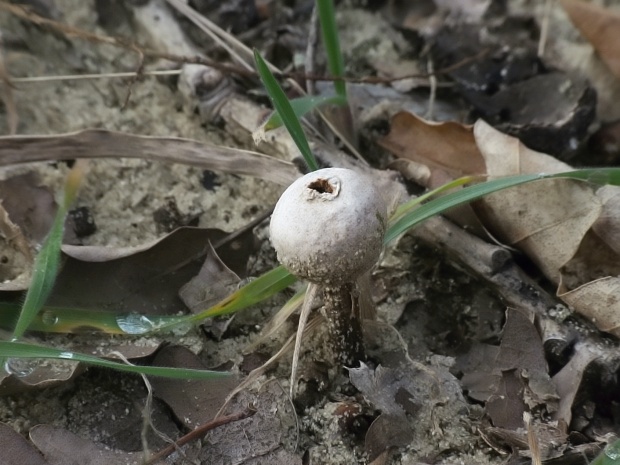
x,y
328,226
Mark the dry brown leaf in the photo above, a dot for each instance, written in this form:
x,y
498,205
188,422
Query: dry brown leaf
x,y
193,402
607,225
506,406
548,219
268,437
599,301
525,384
30,205
16,450
213,282
600,26
433,154
570,231
480,376
386,432
447,148
61,447
142,279
568,380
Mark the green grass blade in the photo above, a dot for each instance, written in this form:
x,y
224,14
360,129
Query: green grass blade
x,y
335,62
261,288
283,107
471,193
303,105
23,350
72,320
609,456
47,261
414,203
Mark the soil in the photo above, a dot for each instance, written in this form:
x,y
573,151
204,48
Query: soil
x,y
434,304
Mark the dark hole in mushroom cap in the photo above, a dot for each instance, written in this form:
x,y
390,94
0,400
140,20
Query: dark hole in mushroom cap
x,y
322,186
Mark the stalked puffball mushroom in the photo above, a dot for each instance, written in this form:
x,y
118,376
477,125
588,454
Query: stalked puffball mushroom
x,y
328,228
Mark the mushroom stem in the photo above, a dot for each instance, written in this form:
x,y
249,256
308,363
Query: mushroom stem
x,y
344,324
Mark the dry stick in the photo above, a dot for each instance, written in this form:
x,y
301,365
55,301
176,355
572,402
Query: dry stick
x,y
78,77
27,15
495,265
532,440
490,262
200,431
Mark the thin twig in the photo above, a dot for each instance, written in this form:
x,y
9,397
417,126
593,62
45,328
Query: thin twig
x,y
200,431
311,50
217,34
6,90
433,91
78,77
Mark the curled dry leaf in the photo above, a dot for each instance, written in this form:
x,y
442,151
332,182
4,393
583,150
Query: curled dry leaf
x,y
448,149
601,26
568,380
564,226
551,221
